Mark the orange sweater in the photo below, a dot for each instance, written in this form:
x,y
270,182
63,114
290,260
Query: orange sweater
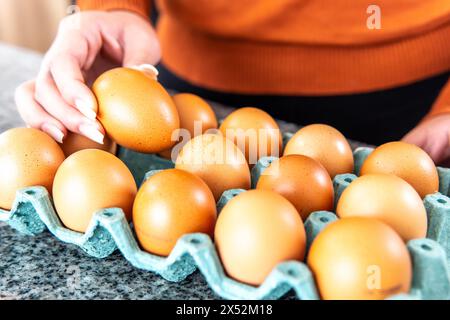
x,y
293,47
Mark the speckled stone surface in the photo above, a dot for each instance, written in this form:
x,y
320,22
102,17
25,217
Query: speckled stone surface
x,y
44,268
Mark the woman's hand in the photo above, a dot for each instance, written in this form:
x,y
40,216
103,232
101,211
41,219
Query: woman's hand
x,y
87,44
433,135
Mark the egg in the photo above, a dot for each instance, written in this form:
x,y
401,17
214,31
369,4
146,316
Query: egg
x,y
88,181
301,180
170,204
359,259
256,231
387,198
74,142
135,110
196,116
255,132
217,161
406,161
28,157
324,144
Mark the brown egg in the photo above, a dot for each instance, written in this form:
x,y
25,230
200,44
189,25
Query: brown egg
x,y
74,142
169,205
256,231
324,144
360,259
88,181
301,180
255,132
217,161
136,111
28,157
196,116
406,161
389,199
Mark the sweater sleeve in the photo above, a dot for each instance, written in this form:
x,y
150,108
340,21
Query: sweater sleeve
x,y
141,7
442,103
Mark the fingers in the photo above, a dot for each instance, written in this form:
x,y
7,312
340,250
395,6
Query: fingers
x,y
414,137
435,146
437,150
48,96
149,70
60,86
67,75
140,46
34,115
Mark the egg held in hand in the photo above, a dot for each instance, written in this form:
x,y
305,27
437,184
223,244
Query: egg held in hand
x,y
88,181
324,144
389,199
170,204
255,132
217,161
360,259
28,157
301,180
256,231
406,161
196,117
135,110
74,142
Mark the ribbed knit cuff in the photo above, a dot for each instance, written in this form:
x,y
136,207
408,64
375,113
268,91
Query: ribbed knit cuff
x,y
141,7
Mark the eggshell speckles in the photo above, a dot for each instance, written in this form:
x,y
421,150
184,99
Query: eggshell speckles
x,y
389,199
170,204
28,157
359,259
406,161
136,111
88,181
255,132
256,231
217,161
324,144
301,180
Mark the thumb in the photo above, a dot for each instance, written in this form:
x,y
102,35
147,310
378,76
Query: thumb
x,y
149,70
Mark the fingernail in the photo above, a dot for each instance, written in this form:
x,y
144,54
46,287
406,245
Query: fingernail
x,y
86,109
149,70
91,131
53,131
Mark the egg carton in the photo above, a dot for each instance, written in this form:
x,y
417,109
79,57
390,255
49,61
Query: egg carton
x,y
141,163
109,230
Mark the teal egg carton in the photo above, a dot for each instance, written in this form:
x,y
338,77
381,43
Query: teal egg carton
x,y
109,230
141,163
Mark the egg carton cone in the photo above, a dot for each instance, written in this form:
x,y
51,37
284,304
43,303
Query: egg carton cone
x,y
141,163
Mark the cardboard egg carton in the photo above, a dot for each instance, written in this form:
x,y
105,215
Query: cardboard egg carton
x,y
109,230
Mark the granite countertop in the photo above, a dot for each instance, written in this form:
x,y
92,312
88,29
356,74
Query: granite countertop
x,y
41,267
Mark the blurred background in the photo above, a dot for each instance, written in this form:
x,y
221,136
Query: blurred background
x,y
31,23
